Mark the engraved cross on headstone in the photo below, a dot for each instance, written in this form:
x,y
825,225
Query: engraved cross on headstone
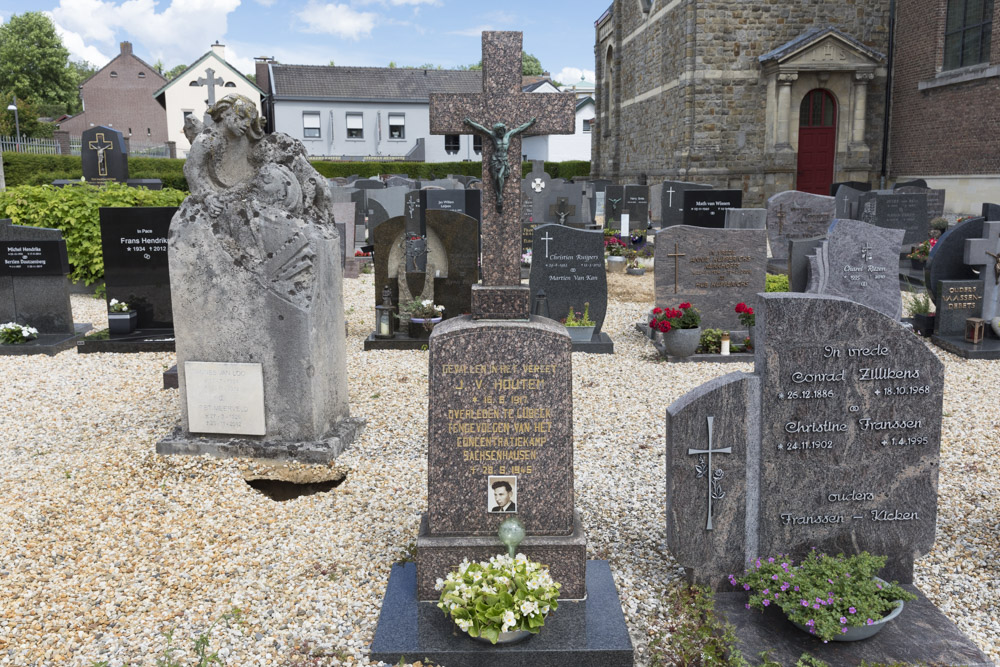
x,y
210,81
501,295
547,238
101,145
670,202
985,252
714,476
676,255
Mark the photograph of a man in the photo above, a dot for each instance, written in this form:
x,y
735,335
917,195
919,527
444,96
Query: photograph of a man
x,y
501,494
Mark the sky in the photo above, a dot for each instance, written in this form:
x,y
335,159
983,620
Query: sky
x,y
314,32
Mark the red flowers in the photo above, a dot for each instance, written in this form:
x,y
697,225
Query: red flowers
x,y
684,317
685,305
743,308
747,318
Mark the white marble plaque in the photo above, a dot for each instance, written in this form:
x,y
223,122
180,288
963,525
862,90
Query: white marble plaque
x,y
224,398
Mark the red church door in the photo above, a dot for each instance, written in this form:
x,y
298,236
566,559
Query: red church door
x,y
817,142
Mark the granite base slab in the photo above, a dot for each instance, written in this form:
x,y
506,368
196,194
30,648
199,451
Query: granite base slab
x,y
600,344
588,633
566,556
140,340
49,344
921,635
229,447
988,348
398,342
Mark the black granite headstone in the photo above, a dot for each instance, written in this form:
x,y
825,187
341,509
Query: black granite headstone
x,y
103,155
34,290
957,300
134,245
672,201
636,204
947,258
991,212
568,265
707,208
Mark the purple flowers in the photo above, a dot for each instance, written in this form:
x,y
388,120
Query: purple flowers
x,y
810,622
805,603
746,587
843,629
870,621
852,610
843,619
766,602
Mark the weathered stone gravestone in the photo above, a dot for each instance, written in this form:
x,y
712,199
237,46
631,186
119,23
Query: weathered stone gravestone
x,y
714,269
832,443
796,215
34,290
103,155
707,208
896,211
935,199
746,218
256,286
859,262
500,409
568,267
672,201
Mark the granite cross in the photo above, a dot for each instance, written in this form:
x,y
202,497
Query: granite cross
x,y
501,295
714,476
210,81
985,252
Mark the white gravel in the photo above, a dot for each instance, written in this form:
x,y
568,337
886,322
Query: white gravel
x,y
105,546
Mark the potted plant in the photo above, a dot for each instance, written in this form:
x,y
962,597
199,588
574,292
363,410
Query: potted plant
x,y
918,254
579,326
503,600
939,226
836,598
424,314
747,319
121,318
681,329
615,250
13,333
632,263
920,313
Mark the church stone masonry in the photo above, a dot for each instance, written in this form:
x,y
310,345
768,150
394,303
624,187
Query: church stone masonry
x,y
710,91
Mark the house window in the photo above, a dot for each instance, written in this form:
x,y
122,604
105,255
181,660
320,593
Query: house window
x,y
586,125
142,75
967,33
397,126
451,144
355,126
310,125
186,115
114,75
477,144
229,84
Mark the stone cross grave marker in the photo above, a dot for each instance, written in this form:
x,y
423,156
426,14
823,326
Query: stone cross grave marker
x,y
985,252
834,443
507,114
103,156
210,81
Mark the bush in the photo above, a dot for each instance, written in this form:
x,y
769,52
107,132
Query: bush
x,y
74,210
711,341
776,283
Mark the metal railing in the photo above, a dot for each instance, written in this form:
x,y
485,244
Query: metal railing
x,y
30,145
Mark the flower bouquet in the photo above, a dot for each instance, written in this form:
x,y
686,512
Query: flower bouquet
x,y
745,312
116,306
14,334
828,596
922,251
499,599
614,246
685,316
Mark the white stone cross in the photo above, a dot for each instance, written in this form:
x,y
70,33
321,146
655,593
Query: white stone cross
x,y
538,185
670,202
985,252
211,81
547,238
714,476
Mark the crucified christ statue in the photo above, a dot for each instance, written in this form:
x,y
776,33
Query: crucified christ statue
x,y
499,163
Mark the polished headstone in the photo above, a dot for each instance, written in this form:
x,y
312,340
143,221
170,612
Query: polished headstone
x,y
103,155
636,204
568,266
846,202
136,268
369,184
533,190
707,208
947,258
34,290
957,300
672,201
746,218
798,262
896,211
991,211
796,215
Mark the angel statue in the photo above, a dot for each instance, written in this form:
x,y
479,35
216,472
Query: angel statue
x,y
499,163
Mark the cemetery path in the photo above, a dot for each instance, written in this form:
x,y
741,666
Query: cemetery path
x,y
104,546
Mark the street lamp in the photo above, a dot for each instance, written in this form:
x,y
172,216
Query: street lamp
x,y
17,124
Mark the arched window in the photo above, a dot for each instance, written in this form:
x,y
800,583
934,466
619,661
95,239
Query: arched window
x,y
193,83
818,109
114,74
230,84
142,75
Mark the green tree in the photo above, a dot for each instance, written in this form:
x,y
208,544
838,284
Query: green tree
x,y
27,119
174,71
34,64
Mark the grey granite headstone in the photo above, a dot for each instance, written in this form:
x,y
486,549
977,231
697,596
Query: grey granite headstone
x,y
957,300
947,258
656,205
935,199
860,186
34,290
442,184
534,187
846,202
798,262
568,265
103,155
991,211
707,208
896,211
402,182
861,263
833,442
557,192
672,201
746,218
136,270
391,200
713,269
796,215
369,184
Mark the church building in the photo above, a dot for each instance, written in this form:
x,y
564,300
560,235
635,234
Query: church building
x,y
762,97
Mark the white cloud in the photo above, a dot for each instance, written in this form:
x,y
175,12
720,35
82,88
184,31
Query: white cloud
x,y
400,3
570,75
336,19
78,50
472,32
266,3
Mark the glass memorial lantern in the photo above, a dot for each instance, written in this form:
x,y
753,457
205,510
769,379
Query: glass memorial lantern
x,y
385,316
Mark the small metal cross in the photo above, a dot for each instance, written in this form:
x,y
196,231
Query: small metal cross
x,y
676,255
714,476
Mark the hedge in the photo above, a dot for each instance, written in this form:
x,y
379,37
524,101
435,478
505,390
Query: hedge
x,y
74,210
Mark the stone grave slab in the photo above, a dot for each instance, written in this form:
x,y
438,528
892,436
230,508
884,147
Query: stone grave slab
x,y
369,184
402,182
533,190
656,205
846,202
947,258
935,199
746,218
636,204
957,300
896,211
706,208
714,269
991,211
103,155
798,262
796,215
380,205
562,203
672,200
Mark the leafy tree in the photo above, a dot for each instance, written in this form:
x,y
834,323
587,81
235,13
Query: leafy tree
x,y
158,66
27,119
530,65
34,64
174,72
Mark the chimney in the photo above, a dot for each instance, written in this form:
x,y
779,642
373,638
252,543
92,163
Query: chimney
x,y
219,49
262,73
126,48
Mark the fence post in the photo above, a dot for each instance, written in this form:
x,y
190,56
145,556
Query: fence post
x,y
62,142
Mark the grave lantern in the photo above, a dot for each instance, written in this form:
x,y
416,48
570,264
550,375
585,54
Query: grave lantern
x,y
974,328
385,315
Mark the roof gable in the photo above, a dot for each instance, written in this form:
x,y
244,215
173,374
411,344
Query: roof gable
x,y
209,54
119,58
822,49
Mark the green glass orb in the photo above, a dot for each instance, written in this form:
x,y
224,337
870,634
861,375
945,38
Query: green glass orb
x,y
511,533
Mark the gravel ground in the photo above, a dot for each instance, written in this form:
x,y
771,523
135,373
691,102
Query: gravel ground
x,y
105,547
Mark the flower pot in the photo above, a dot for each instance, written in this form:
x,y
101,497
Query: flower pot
x,y
923,324
917,264
681,342
616,264
854,634
580,334
122,323
421,327
636,272
511,637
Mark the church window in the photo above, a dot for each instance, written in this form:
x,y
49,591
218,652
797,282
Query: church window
x,y
230,84
114,74
142,75
968,29
817,109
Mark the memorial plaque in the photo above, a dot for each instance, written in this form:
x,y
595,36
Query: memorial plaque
x,y
672,201
33,258
796,215
134,245
568,266
225,398
957,300
707,208
34,289
896,211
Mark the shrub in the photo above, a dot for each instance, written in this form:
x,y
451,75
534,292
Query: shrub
x,y
711,341
776,283
74,211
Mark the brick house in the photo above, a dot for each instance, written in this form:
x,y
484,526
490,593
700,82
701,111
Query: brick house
x,y
120,95
760,97
944,124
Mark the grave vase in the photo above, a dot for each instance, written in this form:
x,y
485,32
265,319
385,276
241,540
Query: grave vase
x,y
580,334
681,342
122,323
616,264
421,327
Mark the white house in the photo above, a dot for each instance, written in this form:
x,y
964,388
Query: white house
x,y
562,147
188,93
